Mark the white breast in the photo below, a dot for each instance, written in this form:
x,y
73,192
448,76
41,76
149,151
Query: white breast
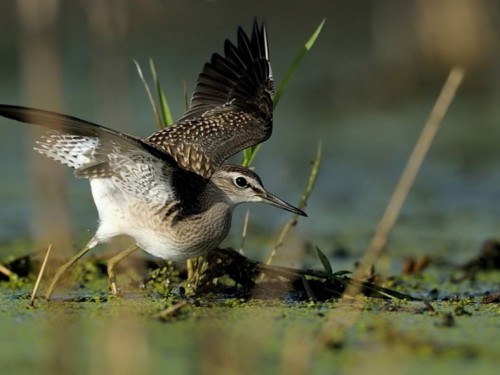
x,y
121,214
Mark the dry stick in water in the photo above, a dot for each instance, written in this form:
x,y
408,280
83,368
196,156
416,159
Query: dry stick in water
x,y
344,315
172,310
40,274
4,270
379,240
303,202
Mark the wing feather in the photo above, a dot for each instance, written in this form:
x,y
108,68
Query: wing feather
x,y
93,151
231,108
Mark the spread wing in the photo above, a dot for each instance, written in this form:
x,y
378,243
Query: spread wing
x,y
231,108
94,151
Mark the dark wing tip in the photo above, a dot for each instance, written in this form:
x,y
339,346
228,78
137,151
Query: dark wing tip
x,y
51,120
75,126
242,78
17,113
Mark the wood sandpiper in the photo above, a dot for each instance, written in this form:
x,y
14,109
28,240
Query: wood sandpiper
x,y
171,192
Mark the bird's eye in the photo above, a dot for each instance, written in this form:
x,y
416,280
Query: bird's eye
x,y
241,182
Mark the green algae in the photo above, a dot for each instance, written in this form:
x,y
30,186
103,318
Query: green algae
x,y
86,332
155,326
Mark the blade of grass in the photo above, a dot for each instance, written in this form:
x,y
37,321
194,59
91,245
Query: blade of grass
x,y
302,204
166,114
298,59
324,261
250,153
150,96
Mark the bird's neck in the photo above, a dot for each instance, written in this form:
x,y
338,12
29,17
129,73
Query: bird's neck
x,y
213,197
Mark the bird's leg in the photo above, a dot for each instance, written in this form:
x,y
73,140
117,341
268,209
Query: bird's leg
x,y
62,269
112,263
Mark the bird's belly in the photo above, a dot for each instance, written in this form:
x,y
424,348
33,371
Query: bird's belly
x,y
120,214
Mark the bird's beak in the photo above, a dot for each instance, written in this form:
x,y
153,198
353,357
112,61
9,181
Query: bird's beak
x,y
275,201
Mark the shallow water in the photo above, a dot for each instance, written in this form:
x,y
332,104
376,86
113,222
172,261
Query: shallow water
x,y
364,94
450,206
364,90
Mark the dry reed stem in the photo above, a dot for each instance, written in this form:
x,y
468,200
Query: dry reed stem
x,y
39,277
170,311
343,316
6,271
384,227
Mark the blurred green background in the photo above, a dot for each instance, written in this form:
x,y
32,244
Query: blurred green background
x,y
365,90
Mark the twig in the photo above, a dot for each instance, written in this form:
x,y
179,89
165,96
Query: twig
x,y
5,271
39,277
315,283
307,288
344,316
302,204
244,231
170,311
407,179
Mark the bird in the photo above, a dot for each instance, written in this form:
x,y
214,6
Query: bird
x,y
173,192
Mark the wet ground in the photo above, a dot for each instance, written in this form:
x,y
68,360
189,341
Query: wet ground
x,y
263,336
452,329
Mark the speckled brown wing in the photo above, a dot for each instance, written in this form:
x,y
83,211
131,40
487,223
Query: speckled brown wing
x,y
231,108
